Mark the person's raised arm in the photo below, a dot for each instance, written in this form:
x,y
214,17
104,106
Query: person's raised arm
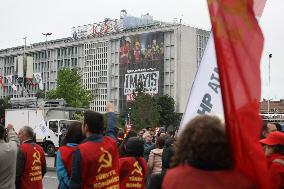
x,y
111,121
12,136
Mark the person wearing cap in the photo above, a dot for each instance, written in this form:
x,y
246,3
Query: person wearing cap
x,y
273,147
132,166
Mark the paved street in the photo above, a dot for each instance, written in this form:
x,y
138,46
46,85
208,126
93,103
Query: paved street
x,y
50,180
49,161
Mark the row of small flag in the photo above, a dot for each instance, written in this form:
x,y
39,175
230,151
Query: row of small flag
x,y
37,79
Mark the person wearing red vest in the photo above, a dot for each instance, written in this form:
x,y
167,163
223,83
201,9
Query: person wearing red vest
x,y
203,159
96,161
31,164
273,147
133,167
73,137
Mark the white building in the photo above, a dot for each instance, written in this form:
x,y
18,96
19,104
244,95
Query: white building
x,y
108,65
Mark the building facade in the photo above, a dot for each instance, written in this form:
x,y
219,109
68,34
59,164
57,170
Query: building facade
x,y
272,106
112,60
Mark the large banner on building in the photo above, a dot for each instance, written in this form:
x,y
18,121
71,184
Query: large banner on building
x,y
141,60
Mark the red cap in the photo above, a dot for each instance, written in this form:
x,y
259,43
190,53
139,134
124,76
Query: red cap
x,y
274,138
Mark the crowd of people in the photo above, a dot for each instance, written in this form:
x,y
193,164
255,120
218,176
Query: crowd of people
x,y
91,156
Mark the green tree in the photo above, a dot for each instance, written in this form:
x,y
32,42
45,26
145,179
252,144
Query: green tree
x,y
119,121
168,116
4,104
69,88
39,94
144,112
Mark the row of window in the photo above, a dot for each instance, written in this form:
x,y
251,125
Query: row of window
x,y
96,50
62,52
100,56
99,45
8,61
67,51
100,102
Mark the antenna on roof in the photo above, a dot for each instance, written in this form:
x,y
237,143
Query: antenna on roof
x,y
123,13
175,20
180,20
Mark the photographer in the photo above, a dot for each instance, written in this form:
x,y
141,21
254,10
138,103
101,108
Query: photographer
x,y
8,156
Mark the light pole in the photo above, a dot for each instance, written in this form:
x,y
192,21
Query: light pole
x,y
268,103
24,66
45,80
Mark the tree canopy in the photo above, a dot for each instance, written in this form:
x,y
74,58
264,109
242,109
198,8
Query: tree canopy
x,y
144,111
168,116
152,111
70,88
4,104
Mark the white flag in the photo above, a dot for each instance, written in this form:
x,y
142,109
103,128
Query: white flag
x,y
38,80
205,95
42,129
40,86
10,79
14,87
37,77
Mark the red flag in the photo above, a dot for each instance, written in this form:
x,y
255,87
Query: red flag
x,y
1,83
239,43
1,80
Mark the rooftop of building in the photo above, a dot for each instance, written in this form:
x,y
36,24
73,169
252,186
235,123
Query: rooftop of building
x,y
124,24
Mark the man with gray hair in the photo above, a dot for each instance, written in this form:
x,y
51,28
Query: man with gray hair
x,y
31,164
8,156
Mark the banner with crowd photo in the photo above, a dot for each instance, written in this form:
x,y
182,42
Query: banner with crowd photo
x,y
141,61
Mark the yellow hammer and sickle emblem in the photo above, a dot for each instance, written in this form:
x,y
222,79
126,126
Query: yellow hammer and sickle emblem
x,y
138,169
104,161
238,8
234,8
36,157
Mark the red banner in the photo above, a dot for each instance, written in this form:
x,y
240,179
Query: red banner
x,y
1,80
239,43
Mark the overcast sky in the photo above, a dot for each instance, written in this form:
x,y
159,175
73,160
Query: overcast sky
x,y
31,18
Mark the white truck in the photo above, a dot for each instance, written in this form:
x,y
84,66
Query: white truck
x,y
56,119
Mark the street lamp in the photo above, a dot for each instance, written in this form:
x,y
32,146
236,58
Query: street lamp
x,y
46,35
